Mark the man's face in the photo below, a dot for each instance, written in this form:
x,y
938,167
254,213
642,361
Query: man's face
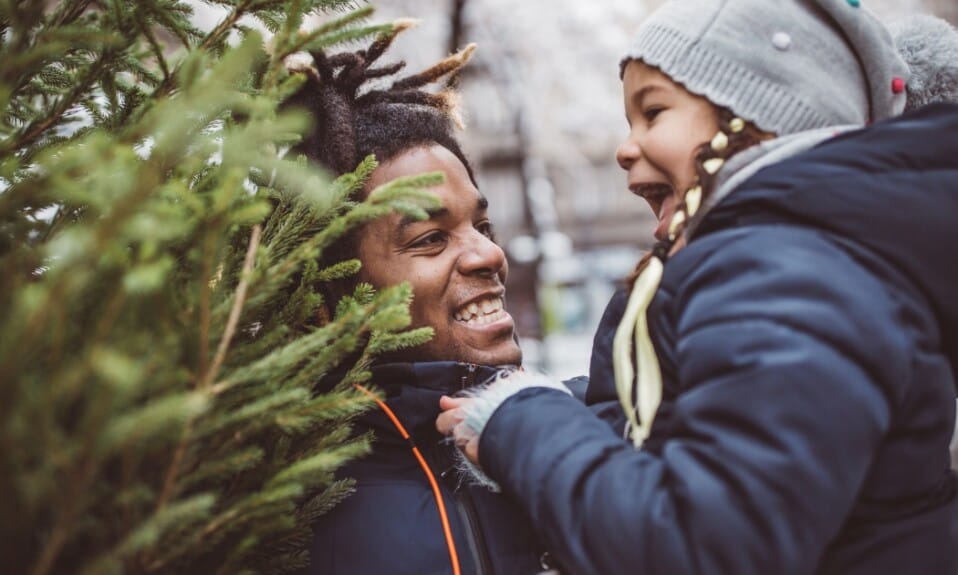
x,y
452,262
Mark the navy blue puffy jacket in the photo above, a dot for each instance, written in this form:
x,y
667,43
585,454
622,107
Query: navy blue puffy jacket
x,y
808,341
391,523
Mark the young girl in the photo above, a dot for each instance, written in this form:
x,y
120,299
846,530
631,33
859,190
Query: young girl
x,y
789,375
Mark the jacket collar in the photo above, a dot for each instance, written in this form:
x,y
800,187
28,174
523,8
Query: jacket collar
x,y
747,163
413,389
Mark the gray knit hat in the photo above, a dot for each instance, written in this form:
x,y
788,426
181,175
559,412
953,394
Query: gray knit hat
x,y
787,65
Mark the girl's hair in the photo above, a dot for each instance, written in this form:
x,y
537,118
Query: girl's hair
x,y
739,138
352,120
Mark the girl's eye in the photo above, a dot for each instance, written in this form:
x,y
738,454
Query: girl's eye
x,y
652,112
486,228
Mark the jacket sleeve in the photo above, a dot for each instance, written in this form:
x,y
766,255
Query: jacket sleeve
x,y
788,360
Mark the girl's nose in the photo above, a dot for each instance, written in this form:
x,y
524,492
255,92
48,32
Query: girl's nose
x,y
627,153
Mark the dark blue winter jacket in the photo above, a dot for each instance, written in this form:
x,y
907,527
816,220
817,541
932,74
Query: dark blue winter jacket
x,y
391,524
808,342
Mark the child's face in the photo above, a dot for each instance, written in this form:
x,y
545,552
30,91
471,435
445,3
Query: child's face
x,y
667,126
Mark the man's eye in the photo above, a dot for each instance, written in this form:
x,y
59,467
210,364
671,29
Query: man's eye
x,y
487,229
429,240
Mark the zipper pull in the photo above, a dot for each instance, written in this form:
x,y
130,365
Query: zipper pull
x,y
451,478
469,379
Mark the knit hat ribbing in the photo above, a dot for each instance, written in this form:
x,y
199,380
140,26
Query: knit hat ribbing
x,y
799,65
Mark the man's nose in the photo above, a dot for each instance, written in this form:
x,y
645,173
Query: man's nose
x,y
481,255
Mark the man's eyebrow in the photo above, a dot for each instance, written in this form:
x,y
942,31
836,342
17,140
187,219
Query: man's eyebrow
x,y
407,221
482,205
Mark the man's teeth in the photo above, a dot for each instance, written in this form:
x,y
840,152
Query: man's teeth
x,y
481,313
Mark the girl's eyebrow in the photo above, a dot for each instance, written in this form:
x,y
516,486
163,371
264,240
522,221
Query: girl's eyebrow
x,y
640,95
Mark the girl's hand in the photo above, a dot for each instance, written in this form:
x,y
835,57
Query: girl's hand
x,y
451,423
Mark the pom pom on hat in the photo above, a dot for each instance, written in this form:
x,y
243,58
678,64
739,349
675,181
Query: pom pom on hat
x,y
929,46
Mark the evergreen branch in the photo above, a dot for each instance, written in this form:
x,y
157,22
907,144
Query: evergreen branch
x,y
293,20
205,286
191,510
127,239
37,129
173,470
330,27
61,530
320,462
212,39
238,302
154,45
68,12
176,22
223,28
323,42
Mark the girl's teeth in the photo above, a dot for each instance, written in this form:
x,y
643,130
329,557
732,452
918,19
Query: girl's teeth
x,y
473,308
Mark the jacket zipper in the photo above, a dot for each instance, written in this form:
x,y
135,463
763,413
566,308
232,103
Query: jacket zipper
x,y
477,543
442,459
465,506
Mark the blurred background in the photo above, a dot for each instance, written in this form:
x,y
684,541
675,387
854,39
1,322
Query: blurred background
x,y
542,102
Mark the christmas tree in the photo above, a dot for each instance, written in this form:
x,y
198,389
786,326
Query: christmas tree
x,y
157,351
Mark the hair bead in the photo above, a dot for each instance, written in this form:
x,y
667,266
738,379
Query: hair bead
x,y
713,166
720,142
677,220
693,200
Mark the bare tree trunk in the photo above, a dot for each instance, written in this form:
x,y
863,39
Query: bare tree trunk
x,y
456,25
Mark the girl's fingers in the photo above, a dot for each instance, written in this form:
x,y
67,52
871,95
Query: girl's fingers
x,y
448,420
447,403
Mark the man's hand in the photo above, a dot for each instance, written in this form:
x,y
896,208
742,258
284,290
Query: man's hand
x,y
451,422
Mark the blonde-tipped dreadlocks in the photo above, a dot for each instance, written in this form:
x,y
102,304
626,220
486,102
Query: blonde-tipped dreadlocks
x,y
350,125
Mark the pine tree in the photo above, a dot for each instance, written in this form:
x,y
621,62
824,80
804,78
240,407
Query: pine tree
x,y
157,412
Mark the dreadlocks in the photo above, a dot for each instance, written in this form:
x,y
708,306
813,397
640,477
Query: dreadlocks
x,y
352,121
350,125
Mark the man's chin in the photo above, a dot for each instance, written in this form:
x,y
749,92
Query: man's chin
x,y
504,352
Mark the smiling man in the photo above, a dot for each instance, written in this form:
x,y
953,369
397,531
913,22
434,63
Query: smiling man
x,y
396,522
411,512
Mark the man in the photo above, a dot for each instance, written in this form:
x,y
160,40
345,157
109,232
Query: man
x,y
411,513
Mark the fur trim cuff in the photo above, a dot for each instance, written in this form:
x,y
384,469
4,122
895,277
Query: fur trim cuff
x,y
487,399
